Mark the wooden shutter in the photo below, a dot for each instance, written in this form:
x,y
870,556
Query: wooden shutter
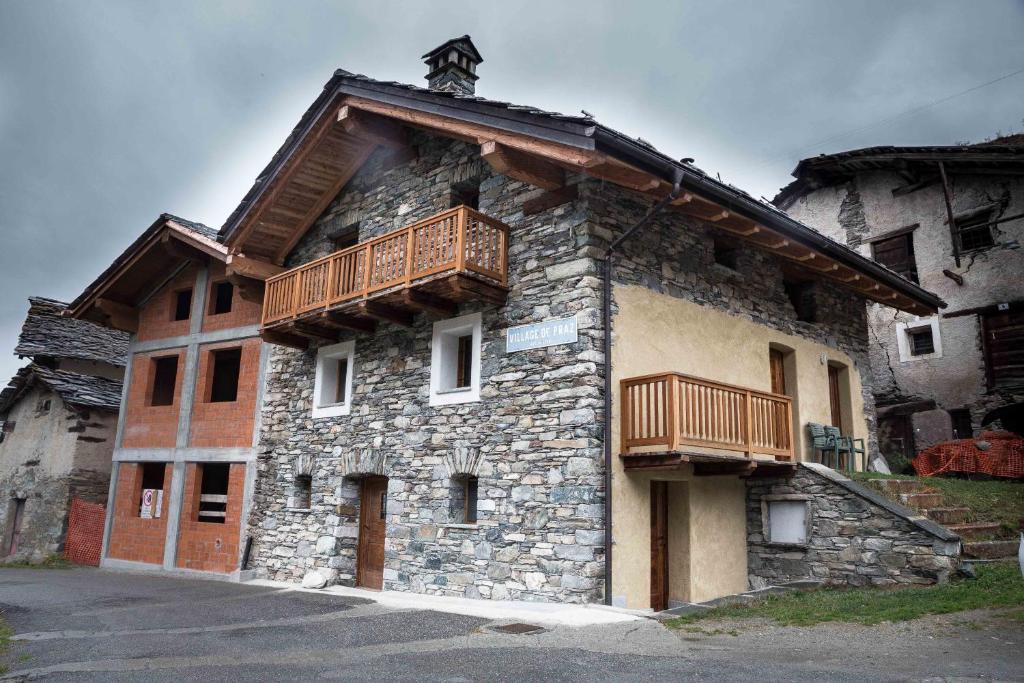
x,y
1003,335
833,397
897,253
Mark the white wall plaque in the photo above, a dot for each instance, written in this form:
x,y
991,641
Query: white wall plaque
x,y
539,335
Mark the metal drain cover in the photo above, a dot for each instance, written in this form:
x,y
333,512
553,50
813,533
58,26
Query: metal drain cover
x,y
517,628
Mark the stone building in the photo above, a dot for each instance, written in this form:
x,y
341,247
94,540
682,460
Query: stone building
x,y
936,376
433,408
58,416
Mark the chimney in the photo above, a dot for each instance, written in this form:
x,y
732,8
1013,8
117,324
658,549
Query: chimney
x,y
451,67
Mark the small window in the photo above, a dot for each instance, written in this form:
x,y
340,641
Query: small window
x,y
43,406
346,237
974,232
455,360
182,304
464,492
785,521
165,376
224,375
801,296
897,254
726,254
303,495
9,426
223,292
962,427
465,193
213,492
332,386
921,341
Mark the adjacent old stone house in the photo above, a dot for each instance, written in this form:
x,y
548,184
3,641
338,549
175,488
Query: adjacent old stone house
x,y
58,417
441,280
943,375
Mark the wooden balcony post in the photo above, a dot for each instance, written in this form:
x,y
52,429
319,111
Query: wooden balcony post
x,y
330,291
789,429
625,413
671,411
749,428
296,293
461,226
409,246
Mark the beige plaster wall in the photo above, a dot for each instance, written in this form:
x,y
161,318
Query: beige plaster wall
x,y
656,333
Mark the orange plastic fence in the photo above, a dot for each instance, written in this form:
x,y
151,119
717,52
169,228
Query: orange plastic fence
x,y
85,532
1004,458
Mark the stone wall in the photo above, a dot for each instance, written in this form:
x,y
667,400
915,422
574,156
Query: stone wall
x,y
857,536
534,436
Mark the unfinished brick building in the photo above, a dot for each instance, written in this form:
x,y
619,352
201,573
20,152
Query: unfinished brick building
x,y
487,345
57,421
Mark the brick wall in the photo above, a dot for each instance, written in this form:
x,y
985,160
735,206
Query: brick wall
x,y
156,317
226,424
242,312
132,537
149,426
210,546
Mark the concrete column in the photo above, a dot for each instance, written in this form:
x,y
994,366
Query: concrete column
x,y
174,515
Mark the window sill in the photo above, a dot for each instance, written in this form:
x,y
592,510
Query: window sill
x,y
332,410
454,525
303,510
458,390
791,546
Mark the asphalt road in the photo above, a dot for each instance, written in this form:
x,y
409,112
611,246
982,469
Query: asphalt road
x,y
89,625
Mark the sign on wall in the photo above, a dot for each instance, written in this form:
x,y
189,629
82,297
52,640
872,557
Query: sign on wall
x,y
539,335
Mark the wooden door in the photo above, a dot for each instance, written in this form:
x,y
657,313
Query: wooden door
x,y
19,514
372,516
776,361
659,545
833,397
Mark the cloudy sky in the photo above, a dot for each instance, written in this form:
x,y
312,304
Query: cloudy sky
x,y
113,112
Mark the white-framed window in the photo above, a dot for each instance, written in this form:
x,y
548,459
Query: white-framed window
x,y
455,360
919,339
332,388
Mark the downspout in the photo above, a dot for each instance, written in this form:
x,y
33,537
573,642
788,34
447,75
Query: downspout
x,y
606,320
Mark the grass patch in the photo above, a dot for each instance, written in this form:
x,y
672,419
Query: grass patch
x,y
998,585
992,500
51,562
5,643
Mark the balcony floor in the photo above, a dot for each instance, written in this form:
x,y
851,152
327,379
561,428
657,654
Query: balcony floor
x,y
707,464
437,296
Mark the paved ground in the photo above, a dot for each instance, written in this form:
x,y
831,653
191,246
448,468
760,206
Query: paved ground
x,y
88,625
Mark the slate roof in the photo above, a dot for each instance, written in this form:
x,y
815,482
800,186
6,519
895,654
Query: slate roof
x,y
48,333
84,391
571,129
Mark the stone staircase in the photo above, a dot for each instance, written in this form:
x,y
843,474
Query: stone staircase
x,y
980,539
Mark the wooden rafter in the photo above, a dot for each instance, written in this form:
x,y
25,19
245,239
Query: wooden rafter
x,y
522,166
377,129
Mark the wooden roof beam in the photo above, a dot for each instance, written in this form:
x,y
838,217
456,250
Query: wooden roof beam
x,y
521,166
376,129
119,316
251,268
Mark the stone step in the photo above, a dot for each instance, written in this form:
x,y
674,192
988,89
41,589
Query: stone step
x,y
894,486
990,550
948,515
922,501
975,532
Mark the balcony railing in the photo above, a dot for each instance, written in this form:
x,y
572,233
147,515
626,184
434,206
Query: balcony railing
x,y
457,241
671,410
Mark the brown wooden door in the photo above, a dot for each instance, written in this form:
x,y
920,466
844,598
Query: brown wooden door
x,y
833,397
659,545
15,538
776,361
372,516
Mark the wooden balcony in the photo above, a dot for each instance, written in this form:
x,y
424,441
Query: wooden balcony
x,y
669,413
457,255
